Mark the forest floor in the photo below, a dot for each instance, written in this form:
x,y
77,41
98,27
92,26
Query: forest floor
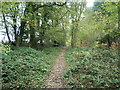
x,y
55,78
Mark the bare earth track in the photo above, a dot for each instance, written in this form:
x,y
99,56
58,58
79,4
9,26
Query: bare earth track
x,y
55,79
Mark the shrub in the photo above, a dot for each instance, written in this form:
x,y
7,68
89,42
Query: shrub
x,y
4,49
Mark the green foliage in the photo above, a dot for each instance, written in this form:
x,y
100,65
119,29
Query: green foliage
x,y
107,17
89,30
100,23
91,68
4,49
26,67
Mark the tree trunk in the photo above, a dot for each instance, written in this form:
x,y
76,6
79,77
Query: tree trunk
x,y
109,43
72,38
17,41
74,35
6,27
32,37
119,46
119,29
15,30
31,9
22,28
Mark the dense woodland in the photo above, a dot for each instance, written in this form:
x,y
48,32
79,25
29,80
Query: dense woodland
x,y
37,31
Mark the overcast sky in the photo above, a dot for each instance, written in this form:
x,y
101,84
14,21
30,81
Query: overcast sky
x,y
89,4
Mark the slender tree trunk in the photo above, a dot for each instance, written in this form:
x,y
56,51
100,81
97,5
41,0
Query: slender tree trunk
x,y
17,41
31,9
119,29
119,46
6,27
43,27
32,37
42,36
22,28
74,35
109,41
65,36
15,30
72,38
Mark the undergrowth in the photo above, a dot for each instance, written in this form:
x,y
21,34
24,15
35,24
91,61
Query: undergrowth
x,y
26,67
92,68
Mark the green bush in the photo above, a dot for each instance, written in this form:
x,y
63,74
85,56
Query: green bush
x,y
4,49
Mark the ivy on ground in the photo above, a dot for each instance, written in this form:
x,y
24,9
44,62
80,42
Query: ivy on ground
x,y
26,67
92,68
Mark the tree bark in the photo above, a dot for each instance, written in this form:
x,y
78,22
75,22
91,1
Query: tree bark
x,y
119,46
32,37
119,29
73,37
6,27
22,28
109,42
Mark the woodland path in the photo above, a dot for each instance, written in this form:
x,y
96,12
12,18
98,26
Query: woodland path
x,y
55,79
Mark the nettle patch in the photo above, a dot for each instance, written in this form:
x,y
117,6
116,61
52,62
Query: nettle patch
x,y
92,68
26,67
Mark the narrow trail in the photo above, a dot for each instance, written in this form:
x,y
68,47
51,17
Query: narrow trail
x,y
55,79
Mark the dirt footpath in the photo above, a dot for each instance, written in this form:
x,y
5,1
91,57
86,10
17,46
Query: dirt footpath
x,y
55,79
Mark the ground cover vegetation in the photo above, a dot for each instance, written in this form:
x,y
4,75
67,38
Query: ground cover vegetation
x,y
92,68
35,32
26,67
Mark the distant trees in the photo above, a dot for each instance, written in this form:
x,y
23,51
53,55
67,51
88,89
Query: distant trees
x,y
100,24
107,17
76,12
39,24
29,21
12,11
